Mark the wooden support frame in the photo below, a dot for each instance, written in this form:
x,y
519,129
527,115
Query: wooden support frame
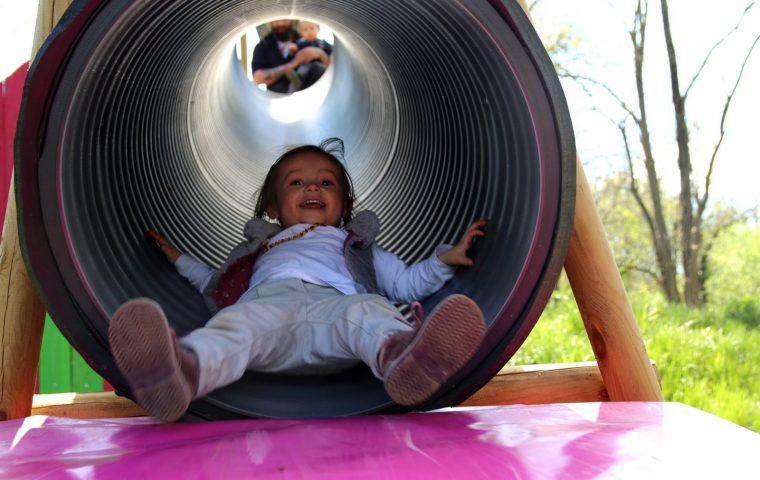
x,y
624,365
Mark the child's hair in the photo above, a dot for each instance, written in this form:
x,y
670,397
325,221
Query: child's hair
x,y
331,148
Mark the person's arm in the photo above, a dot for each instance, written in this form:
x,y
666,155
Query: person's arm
x,y
197,273
268,76
263,72
309,54
403,283
327,48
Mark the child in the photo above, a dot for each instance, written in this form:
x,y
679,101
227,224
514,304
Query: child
x,y
308,32
310,72
305,296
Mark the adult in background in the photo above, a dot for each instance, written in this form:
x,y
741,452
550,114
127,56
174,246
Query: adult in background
x,y
274,63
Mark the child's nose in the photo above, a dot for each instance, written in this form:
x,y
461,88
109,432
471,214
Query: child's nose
x,y
312,186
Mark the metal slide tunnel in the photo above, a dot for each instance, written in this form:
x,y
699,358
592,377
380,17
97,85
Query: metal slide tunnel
x,y
137,115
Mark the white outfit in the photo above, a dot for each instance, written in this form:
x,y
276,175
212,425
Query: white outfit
x,y
303,312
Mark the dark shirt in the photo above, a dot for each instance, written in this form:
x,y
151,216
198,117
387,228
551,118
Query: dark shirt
x,y
319,43
267,55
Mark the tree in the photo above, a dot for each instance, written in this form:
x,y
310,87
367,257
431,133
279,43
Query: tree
x,y
681,242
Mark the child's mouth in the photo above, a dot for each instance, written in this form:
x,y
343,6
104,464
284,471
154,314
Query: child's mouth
x,y
312,204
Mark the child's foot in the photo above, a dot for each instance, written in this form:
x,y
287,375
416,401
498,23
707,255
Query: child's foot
x,y
416,364
295,80
163,375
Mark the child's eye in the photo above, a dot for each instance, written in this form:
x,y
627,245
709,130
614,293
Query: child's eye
x,y
296,183
326,183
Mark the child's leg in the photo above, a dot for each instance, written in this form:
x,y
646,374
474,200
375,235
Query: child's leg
x,y
345,328
312,73
413,363
163,375
268,331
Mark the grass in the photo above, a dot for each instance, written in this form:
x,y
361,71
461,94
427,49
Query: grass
x,y
706,358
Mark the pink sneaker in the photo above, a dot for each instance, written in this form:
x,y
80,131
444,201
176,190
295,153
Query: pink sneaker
x,y
416,364
163,375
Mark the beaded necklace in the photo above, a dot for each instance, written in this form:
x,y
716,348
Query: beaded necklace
x,y
269,246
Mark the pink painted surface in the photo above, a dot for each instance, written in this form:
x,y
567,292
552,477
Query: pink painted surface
x,y
563,441
11,91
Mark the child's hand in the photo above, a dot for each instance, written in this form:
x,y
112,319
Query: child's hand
x,y
292,48
171,253
457,256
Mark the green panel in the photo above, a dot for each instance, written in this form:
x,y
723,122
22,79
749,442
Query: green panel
x,y
83,378
55,363
62,369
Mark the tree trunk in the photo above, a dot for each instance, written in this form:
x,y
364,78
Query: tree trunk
x,y
690,227
661,239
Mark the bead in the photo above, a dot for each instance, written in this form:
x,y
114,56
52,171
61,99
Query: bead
x,y
296,236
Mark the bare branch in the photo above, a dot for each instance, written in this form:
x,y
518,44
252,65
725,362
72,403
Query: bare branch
x,y
632,183
635,268
714,47
702,202
581,78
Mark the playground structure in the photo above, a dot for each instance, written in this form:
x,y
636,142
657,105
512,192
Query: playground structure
x,y
625,368
623,429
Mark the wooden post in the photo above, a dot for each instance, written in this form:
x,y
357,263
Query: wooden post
x,y
22,316
244,53
604,306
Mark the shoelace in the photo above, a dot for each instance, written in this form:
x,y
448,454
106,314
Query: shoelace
x,y
417,313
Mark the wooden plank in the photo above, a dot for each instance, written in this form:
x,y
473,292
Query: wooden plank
x,y
85,405
537,384
533,384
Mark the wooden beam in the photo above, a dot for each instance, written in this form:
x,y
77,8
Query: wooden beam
x,y
22,316
244,53
532,384
85,405
538,384
604,306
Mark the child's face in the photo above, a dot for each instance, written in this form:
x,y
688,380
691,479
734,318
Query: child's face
x,y
308,31
308,191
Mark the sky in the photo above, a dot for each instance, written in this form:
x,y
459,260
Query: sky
x,y
604,53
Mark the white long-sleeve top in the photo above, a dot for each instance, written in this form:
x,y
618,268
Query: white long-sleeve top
x,y
317,258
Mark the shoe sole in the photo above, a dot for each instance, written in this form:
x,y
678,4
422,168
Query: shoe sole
x,y
143,348
445,343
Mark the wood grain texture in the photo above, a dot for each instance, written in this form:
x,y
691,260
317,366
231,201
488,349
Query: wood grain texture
x,y
604,306
85,405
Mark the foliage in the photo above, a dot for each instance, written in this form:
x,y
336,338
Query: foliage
x,y
734,275
706,358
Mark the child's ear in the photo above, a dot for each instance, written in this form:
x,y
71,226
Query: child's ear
x,y
272,213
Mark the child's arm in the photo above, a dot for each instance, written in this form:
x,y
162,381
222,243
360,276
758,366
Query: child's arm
x,y
197,273
457,256
403,283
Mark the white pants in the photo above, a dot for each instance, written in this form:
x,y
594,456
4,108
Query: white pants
x,y
292,327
